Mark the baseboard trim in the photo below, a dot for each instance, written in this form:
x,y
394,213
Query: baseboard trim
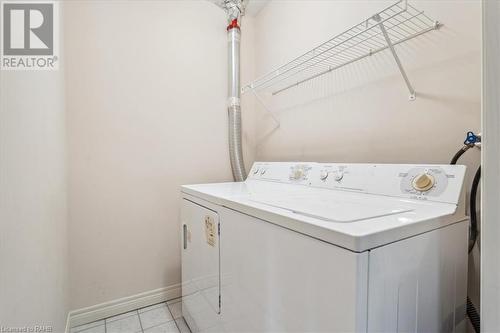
x,y
118,306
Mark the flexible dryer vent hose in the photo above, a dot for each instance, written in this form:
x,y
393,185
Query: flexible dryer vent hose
x,y
235,146
234,108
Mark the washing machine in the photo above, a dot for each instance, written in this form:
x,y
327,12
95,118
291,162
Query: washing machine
x,y
326,247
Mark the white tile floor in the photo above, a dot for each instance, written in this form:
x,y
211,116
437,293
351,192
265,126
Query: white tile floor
x,y
158,318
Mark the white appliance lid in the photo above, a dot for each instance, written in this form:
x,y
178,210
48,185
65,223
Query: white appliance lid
x,y
332,207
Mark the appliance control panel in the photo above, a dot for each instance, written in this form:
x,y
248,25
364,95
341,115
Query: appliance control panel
x,y
441,183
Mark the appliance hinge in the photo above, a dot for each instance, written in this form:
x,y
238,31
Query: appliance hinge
x,y
218,228
220,302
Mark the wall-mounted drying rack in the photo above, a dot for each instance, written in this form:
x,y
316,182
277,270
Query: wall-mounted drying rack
x,y
393,25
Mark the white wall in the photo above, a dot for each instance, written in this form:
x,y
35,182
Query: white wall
x,y
147,87
490,273
33,214
362,113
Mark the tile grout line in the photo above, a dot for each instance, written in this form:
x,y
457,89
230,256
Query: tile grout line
x,y
175,321
161,324
136,310
106,320
144,307
140,321
171,314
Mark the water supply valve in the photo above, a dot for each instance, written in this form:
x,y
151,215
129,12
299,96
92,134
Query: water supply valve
x,y
472,139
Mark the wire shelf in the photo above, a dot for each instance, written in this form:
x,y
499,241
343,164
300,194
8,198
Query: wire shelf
x,y
393,25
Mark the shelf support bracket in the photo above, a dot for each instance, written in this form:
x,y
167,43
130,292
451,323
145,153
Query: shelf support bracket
x,y
378,19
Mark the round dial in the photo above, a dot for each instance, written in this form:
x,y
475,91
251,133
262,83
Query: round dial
x,y
423,182
297,174
323,175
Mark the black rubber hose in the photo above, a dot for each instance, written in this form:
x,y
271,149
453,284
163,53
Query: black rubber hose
x,y
473,195
459,154
474,316
473,211
472,313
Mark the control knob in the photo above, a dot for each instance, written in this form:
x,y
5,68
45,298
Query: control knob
x,y
423,182
297,174
339,175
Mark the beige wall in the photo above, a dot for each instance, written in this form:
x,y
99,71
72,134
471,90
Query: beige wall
x,y
362,113
33,215
146,113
